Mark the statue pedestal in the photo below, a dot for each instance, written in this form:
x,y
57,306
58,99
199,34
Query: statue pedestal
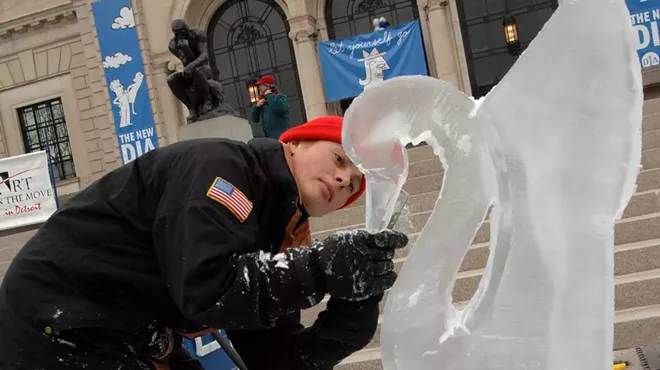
x,y
227,127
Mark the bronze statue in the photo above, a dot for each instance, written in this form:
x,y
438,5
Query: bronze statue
x,y
195,86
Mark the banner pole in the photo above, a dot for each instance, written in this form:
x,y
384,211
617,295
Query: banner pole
x,y
50,169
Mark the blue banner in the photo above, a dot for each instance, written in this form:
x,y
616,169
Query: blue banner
x,y
353,64
124,74
645,15
209,353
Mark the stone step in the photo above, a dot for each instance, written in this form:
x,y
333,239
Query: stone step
x,y
3,268
640,204
424,168
631,291
636,327
636,267
420,153
651,159
648,180
637,229
424,184
370,359
8,253
16,237
651,140
651,122
651,106
638,289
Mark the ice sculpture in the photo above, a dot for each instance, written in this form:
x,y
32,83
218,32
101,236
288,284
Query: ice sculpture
x,y
555,148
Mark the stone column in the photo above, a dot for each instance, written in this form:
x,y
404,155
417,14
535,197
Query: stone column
x,y
443,43
304,35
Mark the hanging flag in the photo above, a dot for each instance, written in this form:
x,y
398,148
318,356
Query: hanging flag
x,y
644,16
124,74
353,64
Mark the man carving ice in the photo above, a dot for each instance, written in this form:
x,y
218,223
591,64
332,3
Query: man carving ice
x,y
198,235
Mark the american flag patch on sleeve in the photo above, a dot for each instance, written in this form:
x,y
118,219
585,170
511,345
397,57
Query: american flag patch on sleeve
x,y
223,192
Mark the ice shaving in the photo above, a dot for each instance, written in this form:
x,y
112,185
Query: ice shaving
x,y
553,151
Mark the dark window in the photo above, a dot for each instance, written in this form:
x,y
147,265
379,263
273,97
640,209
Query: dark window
x,y
249,39
353,17
45,122
347,18
486,52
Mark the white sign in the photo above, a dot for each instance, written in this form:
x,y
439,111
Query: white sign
x,y
26,193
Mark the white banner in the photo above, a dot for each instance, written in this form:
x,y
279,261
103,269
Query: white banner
x,y
26,193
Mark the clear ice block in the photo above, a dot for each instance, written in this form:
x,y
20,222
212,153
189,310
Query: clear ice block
x,y
555,149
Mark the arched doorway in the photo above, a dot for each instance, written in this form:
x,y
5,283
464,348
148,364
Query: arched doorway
x,y
487,56
345,18
248,39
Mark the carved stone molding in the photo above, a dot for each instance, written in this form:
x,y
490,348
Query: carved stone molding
x,y
435,4
303,28
23,23
306,34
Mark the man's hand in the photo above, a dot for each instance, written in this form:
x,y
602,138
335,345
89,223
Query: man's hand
x,y
358,265
267,92
261,102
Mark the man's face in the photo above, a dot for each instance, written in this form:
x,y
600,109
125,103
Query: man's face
x,y
262,89
325,176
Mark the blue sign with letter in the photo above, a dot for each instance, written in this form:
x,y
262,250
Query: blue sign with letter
x,y
206,350
353,64
124,74
645,15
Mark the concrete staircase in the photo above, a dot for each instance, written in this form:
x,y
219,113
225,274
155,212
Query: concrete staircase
x,y
637,250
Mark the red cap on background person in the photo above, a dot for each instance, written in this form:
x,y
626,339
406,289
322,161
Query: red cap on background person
x,y
326,128
266,80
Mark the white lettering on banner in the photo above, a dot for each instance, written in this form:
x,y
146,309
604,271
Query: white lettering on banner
x,y
650,59
402,36
26,192
385,39
136,143
145,133
645,17
646,36
640,18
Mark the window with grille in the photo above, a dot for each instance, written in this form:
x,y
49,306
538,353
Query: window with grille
x,y
43,125
346,18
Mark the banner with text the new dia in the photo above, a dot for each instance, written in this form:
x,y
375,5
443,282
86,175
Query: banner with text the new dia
x,y
645,16
125,78
26,192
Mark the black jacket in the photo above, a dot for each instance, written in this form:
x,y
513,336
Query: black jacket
x,y
149,251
